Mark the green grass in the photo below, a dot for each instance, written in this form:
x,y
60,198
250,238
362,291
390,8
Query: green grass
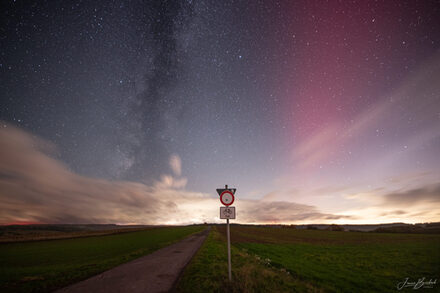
x,y
315,260
43,266
208,272
348,268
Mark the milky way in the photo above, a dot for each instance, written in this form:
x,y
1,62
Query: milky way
x,y
333,106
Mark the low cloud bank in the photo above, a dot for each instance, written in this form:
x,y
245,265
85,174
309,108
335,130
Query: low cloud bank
x,y
423,195
283,212
35,187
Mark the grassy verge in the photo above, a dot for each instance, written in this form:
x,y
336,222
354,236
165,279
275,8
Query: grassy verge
x,y
207,272
47,265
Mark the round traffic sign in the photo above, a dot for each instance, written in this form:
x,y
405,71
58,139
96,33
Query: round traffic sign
x,y
227,198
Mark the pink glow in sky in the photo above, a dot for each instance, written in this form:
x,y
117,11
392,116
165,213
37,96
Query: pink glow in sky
x,y
316,111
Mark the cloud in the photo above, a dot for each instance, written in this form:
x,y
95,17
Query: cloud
x,y
411,204
168,181
393,213
35,187
427,194
176,164
282,212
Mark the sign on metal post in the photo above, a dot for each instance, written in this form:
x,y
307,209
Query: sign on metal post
x,y
227,197
227,212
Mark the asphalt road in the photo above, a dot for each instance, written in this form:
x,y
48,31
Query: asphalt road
x,y
156,272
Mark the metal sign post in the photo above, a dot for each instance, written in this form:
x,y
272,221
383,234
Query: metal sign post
x,y
227,198
229,250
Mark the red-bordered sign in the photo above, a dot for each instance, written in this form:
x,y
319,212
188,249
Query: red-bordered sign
x,y
227,198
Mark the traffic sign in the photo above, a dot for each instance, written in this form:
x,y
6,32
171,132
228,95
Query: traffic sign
x,y
227,212
227,198
221,190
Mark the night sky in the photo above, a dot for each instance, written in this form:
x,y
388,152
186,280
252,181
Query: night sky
x,y
135,112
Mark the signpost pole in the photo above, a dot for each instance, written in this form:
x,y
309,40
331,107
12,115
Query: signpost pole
x,y
229,250
227,212
229,246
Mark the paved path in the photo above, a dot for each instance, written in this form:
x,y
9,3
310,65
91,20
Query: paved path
x,y
156,272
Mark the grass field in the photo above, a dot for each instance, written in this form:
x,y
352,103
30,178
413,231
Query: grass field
x,y
207,272
43,266
23,233
289,260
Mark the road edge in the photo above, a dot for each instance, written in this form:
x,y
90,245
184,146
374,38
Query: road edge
x,y
179,277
